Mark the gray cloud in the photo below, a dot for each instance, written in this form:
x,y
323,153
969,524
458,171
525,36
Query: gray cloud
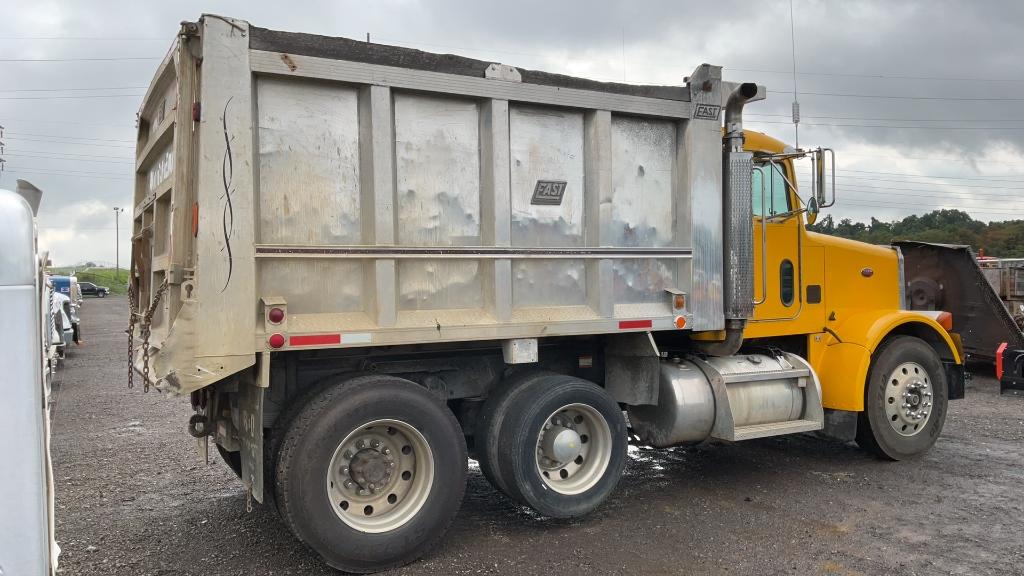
x,y
79,150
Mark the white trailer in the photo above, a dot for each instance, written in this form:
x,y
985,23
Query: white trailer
x,y
26,483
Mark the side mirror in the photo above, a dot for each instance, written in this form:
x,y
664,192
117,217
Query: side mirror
x,y
821,183
811,210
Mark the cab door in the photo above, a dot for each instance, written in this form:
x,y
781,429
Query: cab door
x,y
777,245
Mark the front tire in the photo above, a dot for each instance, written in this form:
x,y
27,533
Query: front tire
x,y
371,472
905,400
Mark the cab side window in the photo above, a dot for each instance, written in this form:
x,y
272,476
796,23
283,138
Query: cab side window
x,y
777,201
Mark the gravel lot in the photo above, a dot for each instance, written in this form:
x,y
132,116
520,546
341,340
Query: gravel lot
x,y
134,498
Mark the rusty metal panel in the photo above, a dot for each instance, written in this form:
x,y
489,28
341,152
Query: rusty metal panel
x,y
308,162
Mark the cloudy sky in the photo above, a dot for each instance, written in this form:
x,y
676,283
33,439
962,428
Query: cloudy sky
x,y
921,100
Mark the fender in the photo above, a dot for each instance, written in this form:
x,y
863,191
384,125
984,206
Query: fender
x,y
842,356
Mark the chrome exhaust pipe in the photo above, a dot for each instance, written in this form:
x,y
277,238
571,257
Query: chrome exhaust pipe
x,y
738,227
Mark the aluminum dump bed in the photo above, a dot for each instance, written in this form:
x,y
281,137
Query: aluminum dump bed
x,y
383,196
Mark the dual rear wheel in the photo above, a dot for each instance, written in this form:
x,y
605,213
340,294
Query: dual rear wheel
x,y
553,442
370,473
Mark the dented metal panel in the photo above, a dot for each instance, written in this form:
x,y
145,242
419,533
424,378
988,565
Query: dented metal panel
x,y
546,146
308,162
642,206
437,164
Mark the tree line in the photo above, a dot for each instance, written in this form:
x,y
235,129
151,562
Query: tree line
x,y
1001,239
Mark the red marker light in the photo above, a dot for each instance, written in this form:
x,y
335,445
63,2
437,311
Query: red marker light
x,y
275,315
276,340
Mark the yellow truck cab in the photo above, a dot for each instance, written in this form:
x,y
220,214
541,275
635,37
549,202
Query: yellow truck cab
x,y
843,304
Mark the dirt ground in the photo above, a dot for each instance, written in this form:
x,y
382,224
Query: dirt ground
x,y
133,498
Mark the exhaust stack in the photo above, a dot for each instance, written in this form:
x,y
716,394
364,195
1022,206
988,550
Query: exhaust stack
x,y
737,223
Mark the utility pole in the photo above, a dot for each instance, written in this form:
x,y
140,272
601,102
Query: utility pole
x,y
117,243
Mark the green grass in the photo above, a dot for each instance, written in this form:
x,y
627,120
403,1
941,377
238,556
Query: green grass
x,y
99,276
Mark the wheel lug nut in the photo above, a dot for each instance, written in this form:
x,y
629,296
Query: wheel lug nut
x,y
361,444
386,451
375,444
348,484
348,455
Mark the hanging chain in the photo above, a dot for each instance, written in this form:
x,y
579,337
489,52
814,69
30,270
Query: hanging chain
x,y
146,322
132,310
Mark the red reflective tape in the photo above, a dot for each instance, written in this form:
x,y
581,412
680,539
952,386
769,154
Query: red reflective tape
x,y
314,339
633,324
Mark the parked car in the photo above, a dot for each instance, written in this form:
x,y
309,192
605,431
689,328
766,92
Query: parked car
x,y
90,289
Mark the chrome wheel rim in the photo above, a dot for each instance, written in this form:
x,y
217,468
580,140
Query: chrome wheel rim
x,y
908,399
380,476
574,448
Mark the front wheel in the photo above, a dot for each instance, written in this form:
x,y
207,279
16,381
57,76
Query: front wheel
x,y
371,472
905,400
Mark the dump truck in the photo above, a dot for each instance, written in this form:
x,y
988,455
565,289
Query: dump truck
x,y
365,265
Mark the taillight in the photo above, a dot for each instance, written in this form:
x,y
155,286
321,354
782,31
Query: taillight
x,y
275,315
276,340
195,219
945,319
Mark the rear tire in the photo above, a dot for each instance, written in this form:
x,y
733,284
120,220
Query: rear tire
x,y
492,415
371,472
905,400
564,446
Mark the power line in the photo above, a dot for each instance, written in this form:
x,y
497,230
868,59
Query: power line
x,y
125,126
44,157
957,184
976,178
945,206
51,141
935,158
122,174
948,194
879,76
901,97
112,59
73,137
77,89
110,38
892,119
943,177
830,124
67,175
74,154
71,97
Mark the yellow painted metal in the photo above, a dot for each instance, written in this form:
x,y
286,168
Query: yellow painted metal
x,y
859,304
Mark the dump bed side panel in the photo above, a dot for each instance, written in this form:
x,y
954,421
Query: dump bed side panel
x,y
380,204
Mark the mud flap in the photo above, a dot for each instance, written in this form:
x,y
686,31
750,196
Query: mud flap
x,y
250,407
